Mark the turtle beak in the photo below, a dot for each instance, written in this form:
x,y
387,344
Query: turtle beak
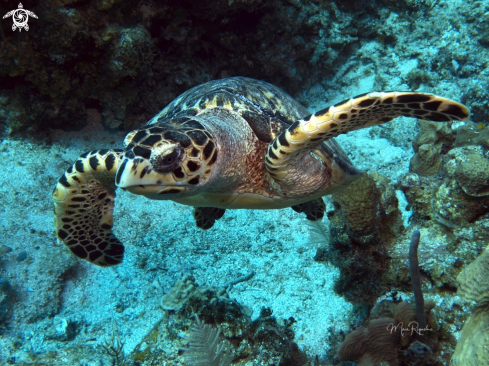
x,y
137,176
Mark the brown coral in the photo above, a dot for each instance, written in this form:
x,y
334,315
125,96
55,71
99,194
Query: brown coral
x,y
431,133
472,348
472,174
452,207
467,135
365,204
428,145
474,281
405,315
426,161
366,220
405,312
360,205
394,328
378,343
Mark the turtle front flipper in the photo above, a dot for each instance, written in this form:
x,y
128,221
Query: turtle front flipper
x,y
359,112
83,206
314,209
205,217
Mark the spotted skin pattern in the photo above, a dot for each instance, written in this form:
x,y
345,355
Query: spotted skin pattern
x,y
189,134
83,206
362,111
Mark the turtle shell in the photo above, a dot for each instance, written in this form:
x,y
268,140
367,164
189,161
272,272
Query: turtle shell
x,y
267,108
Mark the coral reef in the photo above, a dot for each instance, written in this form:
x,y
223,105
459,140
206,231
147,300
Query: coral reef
x,y
390,327
360,209
452,207
432,138
365,221
472,135
474,281
471,349
179,294
472,174
212,305
273,341
418,354
406,315
426,161
206,348
266,340
132,54
129,59
432,133
394,327
118,62
372,345
369,209
455,222
474,289
453,180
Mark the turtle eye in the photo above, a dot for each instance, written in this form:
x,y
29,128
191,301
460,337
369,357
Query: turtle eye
x,y
169,159
167,162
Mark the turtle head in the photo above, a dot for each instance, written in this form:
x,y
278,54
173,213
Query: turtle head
x,y
167,160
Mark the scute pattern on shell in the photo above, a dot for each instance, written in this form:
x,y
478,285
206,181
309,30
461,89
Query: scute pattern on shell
x,y
250,97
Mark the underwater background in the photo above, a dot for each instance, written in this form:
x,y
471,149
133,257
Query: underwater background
x,y
281,290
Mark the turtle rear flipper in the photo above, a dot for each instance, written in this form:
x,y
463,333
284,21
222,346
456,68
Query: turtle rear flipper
x,y
359,112
313,209
205,217
83,207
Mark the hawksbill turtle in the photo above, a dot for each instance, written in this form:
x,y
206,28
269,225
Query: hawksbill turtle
x,y
226,144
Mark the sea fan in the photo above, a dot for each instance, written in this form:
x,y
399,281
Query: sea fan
x,y
319,235
206,347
